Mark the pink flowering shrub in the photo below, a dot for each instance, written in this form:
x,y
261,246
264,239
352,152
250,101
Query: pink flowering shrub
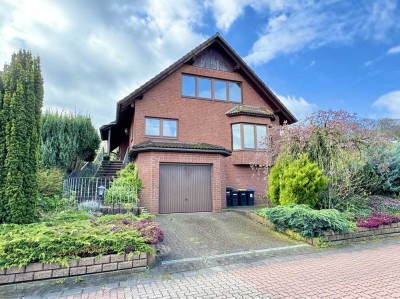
x,y
375,219
148,229
342,145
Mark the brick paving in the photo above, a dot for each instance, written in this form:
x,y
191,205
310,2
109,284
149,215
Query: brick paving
x,y
360,270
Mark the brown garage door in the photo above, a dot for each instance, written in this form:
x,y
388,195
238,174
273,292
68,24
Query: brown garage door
x,y
185,188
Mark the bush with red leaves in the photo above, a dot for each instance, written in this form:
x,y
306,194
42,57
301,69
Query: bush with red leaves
x,y
375,219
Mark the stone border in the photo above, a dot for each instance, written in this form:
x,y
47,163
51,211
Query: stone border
x,y
86,265
330,237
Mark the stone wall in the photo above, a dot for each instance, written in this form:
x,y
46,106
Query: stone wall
x,y
87,265
360,232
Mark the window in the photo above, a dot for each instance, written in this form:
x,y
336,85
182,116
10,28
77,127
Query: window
x,y
248,136
161,127
169,128
188,86
153,126
236,140
261,135
235,93
204,88
209,88
220,90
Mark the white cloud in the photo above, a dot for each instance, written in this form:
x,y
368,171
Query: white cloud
x,y
394,50
381,17
390,103
311,24
227,11
299,107
285,34
94,53
312,63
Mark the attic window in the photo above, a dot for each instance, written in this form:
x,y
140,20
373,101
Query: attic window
x,y
235,93
220,90
188,86
211,89
204,88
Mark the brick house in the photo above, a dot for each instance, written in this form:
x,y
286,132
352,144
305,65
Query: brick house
x,y
195,128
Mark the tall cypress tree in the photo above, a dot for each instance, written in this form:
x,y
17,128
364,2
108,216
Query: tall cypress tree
x,y
22,102
3,172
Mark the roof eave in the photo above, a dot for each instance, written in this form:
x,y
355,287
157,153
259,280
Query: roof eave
x,y
135,151
271,116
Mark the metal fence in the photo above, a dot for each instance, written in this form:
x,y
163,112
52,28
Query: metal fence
x,y
100,194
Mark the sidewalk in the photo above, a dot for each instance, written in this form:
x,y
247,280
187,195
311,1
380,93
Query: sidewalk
x,y
360,270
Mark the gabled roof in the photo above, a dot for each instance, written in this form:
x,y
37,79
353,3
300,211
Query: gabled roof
x,y
164,146
250,110
241,66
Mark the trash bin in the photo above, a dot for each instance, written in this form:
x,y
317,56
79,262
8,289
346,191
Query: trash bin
x,y
229,196
242,197
250,197
235,197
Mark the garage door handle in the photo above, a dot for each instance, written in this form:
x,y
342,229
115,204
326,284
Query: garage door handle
x,y
186,199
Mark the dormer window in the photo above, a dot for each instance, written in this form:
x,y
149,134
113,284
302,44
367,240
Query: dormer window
x,y
211,89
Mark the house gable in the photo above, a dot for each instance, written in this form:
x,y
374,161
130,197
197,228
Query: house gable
x,y
210,58
214,58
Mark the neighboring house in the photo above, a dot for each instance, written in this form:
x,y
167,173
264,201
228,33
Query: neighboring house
x,y
194,129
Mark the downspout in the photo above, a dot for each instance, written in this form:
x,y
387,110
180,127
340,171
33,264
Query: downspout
x,y
109,142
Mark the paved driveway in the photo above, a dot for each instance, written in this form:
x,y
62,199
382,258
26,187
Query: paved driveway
x,y
200,240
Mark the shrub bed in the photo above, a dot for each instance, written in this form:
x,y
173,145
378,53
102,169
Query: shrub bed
x,y
72,235
307,222
385,204
375,219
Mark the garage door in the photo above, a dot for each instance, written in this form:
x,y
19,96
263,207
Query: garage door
x,y
185,188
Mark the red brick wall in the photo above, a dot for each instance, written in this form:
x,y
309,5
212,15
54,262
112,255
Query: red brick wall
x,y
149,164
199,121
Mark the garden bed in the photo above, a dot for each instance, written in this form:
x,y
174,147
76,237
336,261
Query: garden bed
x,y
329,237
76,243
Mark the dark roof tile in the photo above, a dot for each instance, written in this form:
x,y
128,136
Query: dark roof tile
x,y
178,147
250,110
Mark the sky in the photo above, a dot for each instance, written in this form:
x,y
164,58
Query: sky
x,y
330,54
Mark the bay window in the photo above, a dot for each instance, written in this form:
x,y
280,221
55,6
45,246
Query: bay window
x,y
248,136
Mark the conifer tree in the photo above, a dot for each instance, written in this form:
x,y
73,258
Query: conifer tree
x,y
2,147
68,140
21,111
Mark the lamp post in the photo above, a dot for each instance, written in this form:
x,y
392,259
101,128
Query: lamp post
x,y
100,194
